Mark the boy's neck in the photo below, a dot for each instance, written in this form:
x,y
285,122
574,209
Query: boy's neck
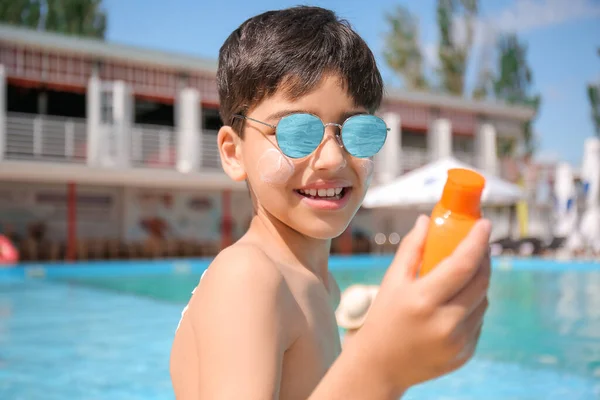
x,y
289,246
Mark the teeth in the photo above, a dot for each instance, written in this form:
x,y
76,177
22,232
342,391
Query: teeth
x,y
325,193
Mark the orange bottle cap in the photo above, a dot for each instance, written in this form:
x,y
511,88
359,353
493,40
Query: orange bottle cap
x,y
462,192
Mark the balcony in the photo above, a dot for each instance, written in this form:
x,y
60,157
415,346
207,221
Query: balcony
x,y
34,137
55,149
210,159
31,137
151,154
153,146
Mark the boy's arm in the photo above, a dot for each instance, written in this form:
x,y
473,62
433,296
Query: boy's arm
x,y
238,322
417,328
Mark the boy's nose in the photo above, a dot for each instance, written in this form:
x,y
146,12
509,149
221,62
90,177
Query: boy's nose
x,y
331,154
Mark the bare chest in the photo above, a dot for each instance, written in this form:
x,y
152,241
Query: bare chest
x,y
318,344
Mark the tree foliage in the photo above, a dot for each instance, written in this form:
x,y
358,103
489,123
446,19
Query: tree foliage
x,y
456,26
20,12
593,92
71,17
402,51
513,82
76,17
404,54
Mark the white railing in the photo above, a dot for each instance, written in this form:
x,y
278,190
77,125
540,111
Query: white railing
x,y
58,139
153,146
46,138
209,158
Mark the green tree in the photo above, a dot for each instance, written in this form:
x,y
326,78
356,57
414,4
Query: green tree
x,y
514,80
454,49
76,17
403,52
20,12
594,98
593,92
485,74
481,90
70,17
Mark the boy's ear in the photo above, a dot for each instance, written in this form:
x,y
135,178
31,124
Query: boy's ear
x,y
230,150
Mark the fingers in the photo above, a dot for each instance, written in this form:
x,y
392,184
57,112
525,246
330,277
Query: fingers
x,y
475,320
409,254
469,298
471,330
455,272
469,350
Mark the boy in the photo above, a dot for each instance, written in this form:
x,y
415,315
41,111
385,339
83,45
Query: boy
x,y
297,91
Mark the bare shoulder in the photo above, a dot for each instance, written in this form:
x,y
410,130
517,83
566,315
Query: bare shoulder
x,y
334,291
236,329
242,281
245,265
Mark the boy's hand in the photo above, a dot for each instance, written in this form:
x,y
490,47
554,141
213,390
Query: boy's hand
x,y
421,328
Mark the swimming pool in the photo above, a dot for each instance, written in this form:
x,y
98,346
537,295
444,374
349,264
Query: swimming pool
x,y
104,330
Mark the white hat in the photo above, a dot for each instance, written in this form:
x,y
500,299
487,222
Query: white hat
x,y
354,305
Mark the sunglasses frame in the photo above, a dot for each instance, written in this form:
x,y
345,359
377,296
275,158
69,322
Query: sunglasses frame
x,y
338,134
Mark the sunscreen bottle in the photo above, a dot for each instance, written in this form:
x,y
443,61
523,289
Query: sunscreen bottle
x,y
453,216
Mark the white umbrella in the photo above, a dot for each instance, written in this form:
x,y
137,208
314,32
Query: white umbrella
x,y
590,171
590,174
423,187
565,212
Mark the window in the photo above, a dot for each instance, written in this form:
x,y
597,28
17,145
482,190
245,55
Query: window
x,y
462,144
211,121
414,139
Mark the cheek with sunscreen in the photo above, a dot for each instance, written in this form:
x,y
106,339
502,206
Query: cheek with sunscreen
x,y
365,170
274,168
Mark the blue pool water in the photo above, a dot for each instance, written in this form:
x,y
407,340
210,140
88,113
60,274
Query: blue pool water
x,y
104,331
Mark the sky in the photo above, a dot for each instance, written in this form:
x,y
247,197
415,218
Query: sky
x,y
562,38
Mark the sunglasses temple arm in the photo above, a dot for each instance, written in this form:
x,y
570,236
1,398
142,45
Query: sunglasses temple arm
x,y
260,122
261,132
266,137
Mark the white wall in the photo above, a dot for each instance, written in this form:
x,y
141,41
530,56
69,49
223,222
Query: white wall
x,y
98,209
190,215
112,212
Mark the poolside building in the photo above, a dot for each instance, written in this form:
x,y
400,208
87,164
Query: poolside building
x,y
110,151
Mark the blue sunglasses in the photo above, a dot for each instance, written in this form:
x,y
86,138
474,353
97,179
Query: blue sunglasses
x,y
298,135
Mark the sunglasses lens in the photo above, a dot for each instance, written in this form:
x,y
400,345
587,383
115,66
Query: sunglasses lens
x,y
298,135
364,135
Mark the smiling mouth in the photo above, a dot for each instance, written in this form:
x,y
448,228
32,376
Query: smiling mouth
x,y
324,194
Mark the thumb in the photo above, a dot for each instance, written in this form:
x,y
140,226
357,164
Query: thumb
x,y
408,257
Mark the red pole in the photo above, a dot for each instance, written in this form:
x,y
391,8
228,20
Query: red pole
x,y
71,221
225,218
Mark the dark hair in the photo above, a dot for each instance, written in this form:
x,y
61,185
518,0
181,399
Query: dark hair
x,y
292,49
